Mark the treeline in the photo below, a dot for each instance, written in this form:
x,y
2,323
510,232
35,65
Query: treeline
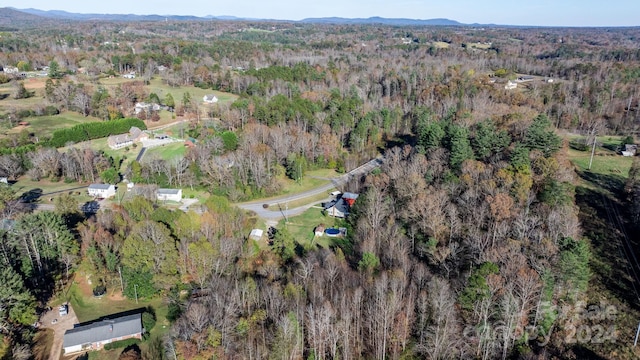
x,y
93,130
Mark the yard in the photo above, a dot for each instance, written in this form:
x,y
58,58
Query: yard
x,y
606,160
167,152
43,126
302,226
88,308
157,86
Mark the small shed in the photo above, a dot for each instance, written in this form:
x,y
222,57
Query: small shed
x,y
256,234
319,230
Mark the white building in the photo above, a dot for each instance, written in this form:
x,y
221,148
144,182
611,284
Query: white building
x,y
97,334
169,195
510,85
102,190
256,234
210,99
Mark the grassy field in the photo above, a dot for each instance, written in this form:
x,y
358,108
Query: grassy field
x,y
168,151
157,86
606,160
44,126
440,44
302,226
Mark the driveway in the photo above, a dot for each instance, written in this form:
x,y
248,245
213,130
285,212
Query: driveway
x,y
278,212
150,143
62,324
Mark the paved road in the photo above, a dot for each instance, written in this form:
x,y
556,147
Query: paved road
x,y
275,212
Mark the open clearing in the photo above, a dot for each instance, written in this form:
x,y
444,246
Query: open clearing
x,y
44,126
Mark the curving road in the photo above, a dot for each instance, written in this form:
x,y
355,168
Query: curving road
x,y
275,213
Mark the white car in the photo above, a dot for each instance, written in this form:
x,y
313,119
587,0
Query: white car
x,y
63,310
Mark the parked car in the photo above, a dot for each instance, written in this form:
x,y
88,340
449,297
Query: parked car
x,y
63,310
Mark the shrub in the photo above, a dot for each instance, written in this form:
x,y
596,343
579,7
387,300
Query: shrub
x,y
121,344
148,320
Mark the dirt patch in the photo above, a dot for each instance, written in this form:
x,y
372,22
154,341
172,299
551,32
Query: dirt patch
x,y
116,295
85,284
34,84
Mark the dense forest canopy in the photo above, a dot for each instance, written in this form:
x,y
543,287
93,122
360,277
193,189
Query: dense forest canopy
x,y
467,242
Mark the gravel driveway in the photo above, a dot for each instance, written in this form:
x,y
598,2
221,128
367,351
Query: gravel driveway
x,y
62,324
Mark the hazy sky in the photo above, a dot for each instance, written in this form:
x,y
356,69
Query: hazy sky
x,y
507,12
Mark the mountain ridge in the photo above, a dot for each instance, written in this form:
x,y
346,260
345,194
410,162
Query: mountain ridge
x,y
65,15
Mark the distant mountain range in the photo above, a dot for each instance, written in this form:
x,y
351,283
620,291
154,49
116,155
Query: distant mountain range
x,y
23,14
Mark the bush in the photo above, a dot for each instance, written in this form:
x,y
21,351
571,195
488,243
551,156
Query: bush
x,y
148,320
121,344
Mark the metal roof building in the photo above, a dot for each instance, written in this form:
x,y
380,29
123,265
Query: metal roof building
x,y
93,336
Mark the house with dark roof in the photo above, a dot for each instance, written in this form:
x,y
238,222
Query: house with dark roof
x,y
340,207
95,335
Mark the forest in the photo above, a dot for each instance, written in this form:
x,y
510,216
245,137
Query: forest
x,y
477,237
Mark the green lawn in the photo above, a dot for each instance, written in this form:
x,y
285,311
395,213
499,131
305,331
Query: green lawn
x,y
44,126
168,151
302,226
605,162
157,86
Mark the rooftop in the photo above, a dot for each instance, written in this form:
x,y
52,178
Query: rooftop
x,y
169,191
104,330
100,186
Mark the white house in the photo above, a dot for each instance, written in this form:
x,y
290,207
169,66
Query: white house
x,y
210,99
102,190
169,195
95,335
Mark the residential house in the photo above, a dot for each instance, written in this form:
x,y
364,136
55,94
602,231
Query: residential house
x,y
102,190
169,195
510,85
11,70
119,141
210,99
525,78
146,107
630,150
123,140
95,335
341,206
